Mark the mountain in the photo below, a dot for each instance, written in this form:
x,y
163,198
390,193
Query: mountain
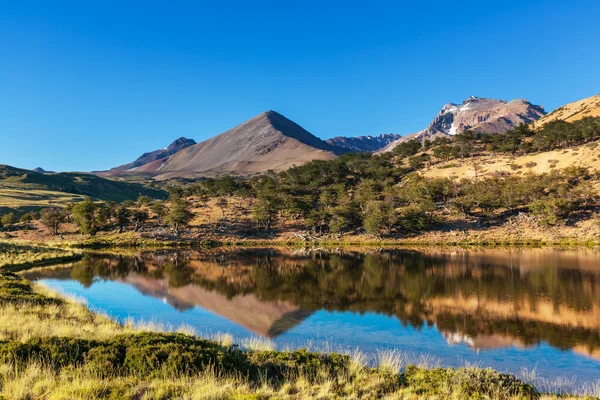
x,y
589,107
266,142
43,171
477,114
363,143
155,155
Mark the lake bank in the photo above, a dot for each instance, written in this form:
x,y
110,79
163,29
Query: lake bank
x,y
55,325
56,347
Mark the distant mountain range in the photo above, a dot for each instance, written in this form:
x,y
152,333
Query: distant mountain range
x,y
479,115
271,141
363,143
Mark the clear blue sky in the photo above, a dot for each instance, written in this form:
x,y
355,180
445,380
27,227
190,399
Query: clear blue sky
x,y
87,85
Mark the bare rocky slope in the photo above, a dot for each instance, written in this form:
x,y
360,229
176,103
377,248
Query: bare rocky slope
x,y
589,107
363,143
477,114
266,142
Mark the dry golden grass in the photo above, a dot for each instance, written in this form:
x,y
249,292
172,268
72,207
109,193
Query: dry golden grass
x,y
71,318
32,198
488,165
15,253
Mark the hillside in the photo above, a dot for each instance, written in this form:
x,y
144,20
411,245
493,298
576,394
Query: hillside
x,y
25,188
480,115
266,142
363,143
589,107
155,155
488,165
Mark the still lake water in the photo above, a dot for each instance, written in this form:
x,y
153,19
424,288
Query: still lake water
x,y
499,308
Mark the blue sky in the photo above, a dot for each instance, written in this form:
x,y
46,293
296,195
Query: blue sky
x,y
87,85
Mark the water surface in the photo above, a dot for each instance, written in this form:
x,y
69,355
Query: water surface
x,y
505,309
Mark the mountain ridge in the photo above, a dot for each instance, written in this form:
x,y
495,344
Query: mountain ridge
x,y
268,141
365,143
147,158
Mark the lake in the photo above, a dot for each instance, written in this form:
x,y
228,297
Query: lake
x,y
502,308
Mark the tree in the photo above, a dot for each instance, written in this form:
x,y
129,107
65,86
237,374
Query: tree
x,y
160,210
122,215
139,217
379,216
265,211
222,203
85,215
103,214
8,219
346,217
28,217
179,214
418,161
52,218
143,201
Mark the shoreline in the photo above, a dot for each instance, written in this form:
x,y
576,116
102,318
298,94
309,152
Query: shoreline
x,y
143,243
111,353
427,384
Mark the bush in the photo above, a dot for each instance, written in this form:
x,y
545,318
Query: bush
x,y
552,211
467,383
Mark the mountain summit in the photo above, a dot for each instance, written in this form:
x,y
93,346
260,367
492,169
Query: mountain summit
x,y
477,114
268,141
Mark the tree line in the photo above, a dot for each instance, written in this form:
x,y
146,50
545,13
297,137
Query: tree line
x,y
381,195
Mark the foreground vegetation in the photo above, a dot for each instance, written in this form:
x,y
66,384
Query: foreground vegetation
x,y
22,255
52,347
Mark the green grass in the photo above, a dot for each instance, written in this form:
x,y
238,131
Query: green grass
x,y
19,255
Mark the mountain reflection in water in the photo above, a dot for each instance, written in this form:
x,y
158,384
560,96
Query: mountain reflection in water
x,y
484,299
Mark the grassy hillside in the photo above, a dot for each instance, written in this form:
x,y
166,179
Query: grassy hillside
x,y
488,165
589,107
24,189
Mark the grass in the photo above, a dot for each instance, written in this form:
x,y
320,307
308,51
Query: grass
x,y
53,347
23,187
17,255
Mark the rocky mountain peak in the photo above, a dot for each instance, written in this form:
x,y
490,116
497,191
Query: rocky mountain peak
x,y
479,114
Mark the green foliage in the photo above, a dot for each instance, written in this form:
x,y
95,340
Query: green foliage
x,y
28,217
467,383
16,290
179,214
139,218
123,215
379,216
89,216
551,211
8,219
52,218
408,148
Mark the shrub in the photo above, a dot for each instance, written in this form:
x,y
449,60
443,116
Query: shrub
x,y
466,383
